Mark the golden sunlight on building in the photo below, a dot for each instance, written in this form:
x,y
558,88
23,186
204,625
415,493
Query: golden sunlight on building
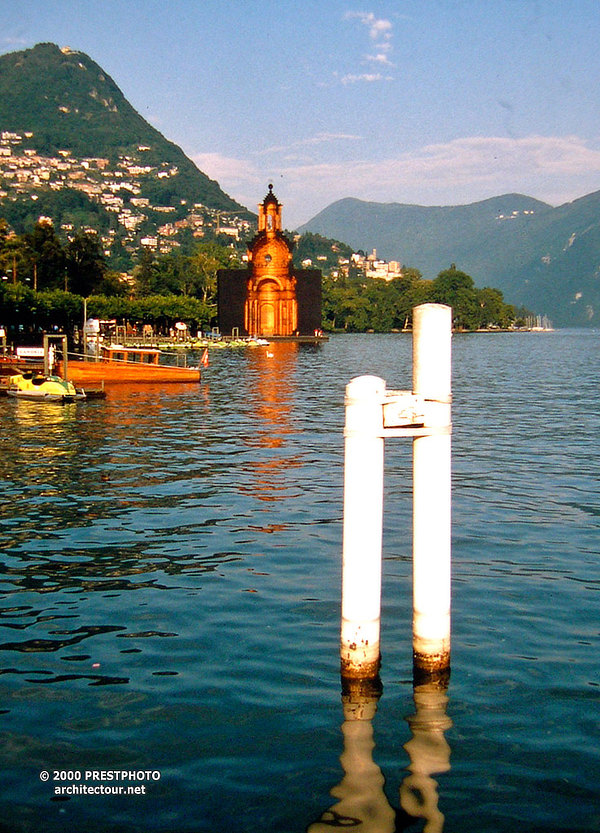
x,y
270,298
271,304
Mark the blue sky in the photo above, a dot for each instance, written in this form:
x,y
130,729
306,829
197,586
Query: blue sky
x,y
435,102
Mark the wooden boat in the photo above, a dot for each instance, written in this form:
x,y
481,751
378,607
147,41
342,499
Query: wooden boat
x,y
118,364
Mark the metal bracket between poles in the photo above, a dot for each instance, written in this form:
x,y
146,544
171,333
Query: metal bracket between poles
x,y
407,414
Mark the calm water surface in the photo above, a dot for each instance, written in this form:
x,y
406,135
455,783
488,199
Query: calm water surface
x,y
170,594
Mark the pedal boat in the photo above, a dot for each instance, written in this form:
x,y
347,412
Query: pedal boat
x,y
40,388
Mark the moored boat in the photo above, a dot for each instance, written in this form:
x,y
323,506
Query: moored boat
x,y
42,388
119,364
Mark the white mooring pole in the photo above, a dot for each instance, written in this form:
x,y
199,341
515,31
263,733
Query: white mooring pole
x,y
423,414
432,333
363,524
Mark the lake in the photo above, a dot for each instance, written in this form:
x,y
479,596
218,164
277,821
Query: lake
x,y
170,602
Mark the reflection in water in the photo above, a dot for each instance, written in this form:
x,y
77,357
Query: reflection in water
x,y
92,496
429,753
124,398
274,395
39,430
274,392
362,804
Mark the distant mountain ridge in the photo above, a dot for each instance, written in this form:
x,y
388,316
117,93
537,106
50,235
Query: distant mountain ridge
x,y
545,258
124,179
69,103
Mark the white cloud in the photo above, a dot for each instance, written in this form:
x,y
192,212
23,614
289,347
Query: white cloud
x,y
379,58
379,28
471,160
369,77
555,169
380,33
226,168
239,178
311,141
483,157
552,168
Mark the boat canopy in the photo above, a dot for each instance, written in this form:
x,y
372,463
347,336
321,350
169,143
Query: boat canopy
x,y
120,353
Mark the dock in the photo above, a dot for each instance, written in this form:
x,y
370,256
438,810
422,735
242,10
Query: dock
x,y
216,340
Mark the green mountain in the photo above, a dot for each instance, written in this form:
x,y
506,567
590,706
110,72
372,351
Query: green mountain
x,y
61,103
545,258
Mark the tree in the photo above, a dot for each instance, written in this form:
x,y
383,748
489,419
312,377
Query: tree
x,y
174,274
205,262
415,291
24,311
58,309
112,285
381,297
85,264
160,310
16,308
145,274
4,232
332,301
46,256
14,261
345,307
457,290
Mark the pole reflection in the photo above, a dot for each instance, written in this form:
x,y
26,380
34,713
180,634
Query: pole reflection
x,y
429,753
362,803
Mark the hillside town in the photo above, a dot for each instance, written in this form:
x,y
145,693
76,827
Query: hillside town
x,y
119,189
357,265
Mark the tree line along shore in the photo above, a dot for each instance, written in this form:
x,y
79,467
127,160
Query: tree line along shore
x,y
47,284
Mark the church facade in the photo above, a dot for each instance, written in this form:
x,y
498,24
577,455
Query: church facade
x,y
269,298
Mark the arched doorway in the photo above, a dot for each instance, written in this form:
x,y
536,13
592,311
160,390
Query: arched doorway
x,y
268,296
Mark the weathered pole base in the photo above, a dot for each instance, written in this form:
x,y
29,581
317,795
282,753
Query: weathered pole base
x,y
359,664
431,644
359,648
431,668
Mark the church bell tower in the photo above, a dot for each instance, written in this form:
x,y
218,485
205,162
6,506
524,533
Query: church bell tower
x,y
271,307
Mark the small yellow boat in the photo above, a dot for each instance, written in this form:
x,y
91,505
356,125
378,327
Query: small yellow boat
x,y
40,388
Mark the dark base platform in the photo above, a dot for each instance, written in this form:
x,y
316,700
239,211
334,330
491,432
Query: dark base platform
x,y
297,339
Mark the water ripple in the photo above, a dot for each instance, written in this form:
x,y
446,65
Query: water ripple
x,y
179,557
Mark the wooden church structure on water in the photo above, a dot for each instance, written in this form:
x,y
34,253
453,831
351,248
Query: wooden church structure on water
x,y
270,298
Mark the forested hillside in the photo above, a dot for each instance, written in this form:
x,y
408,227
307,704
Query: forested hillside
x,y
543,257
68,102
